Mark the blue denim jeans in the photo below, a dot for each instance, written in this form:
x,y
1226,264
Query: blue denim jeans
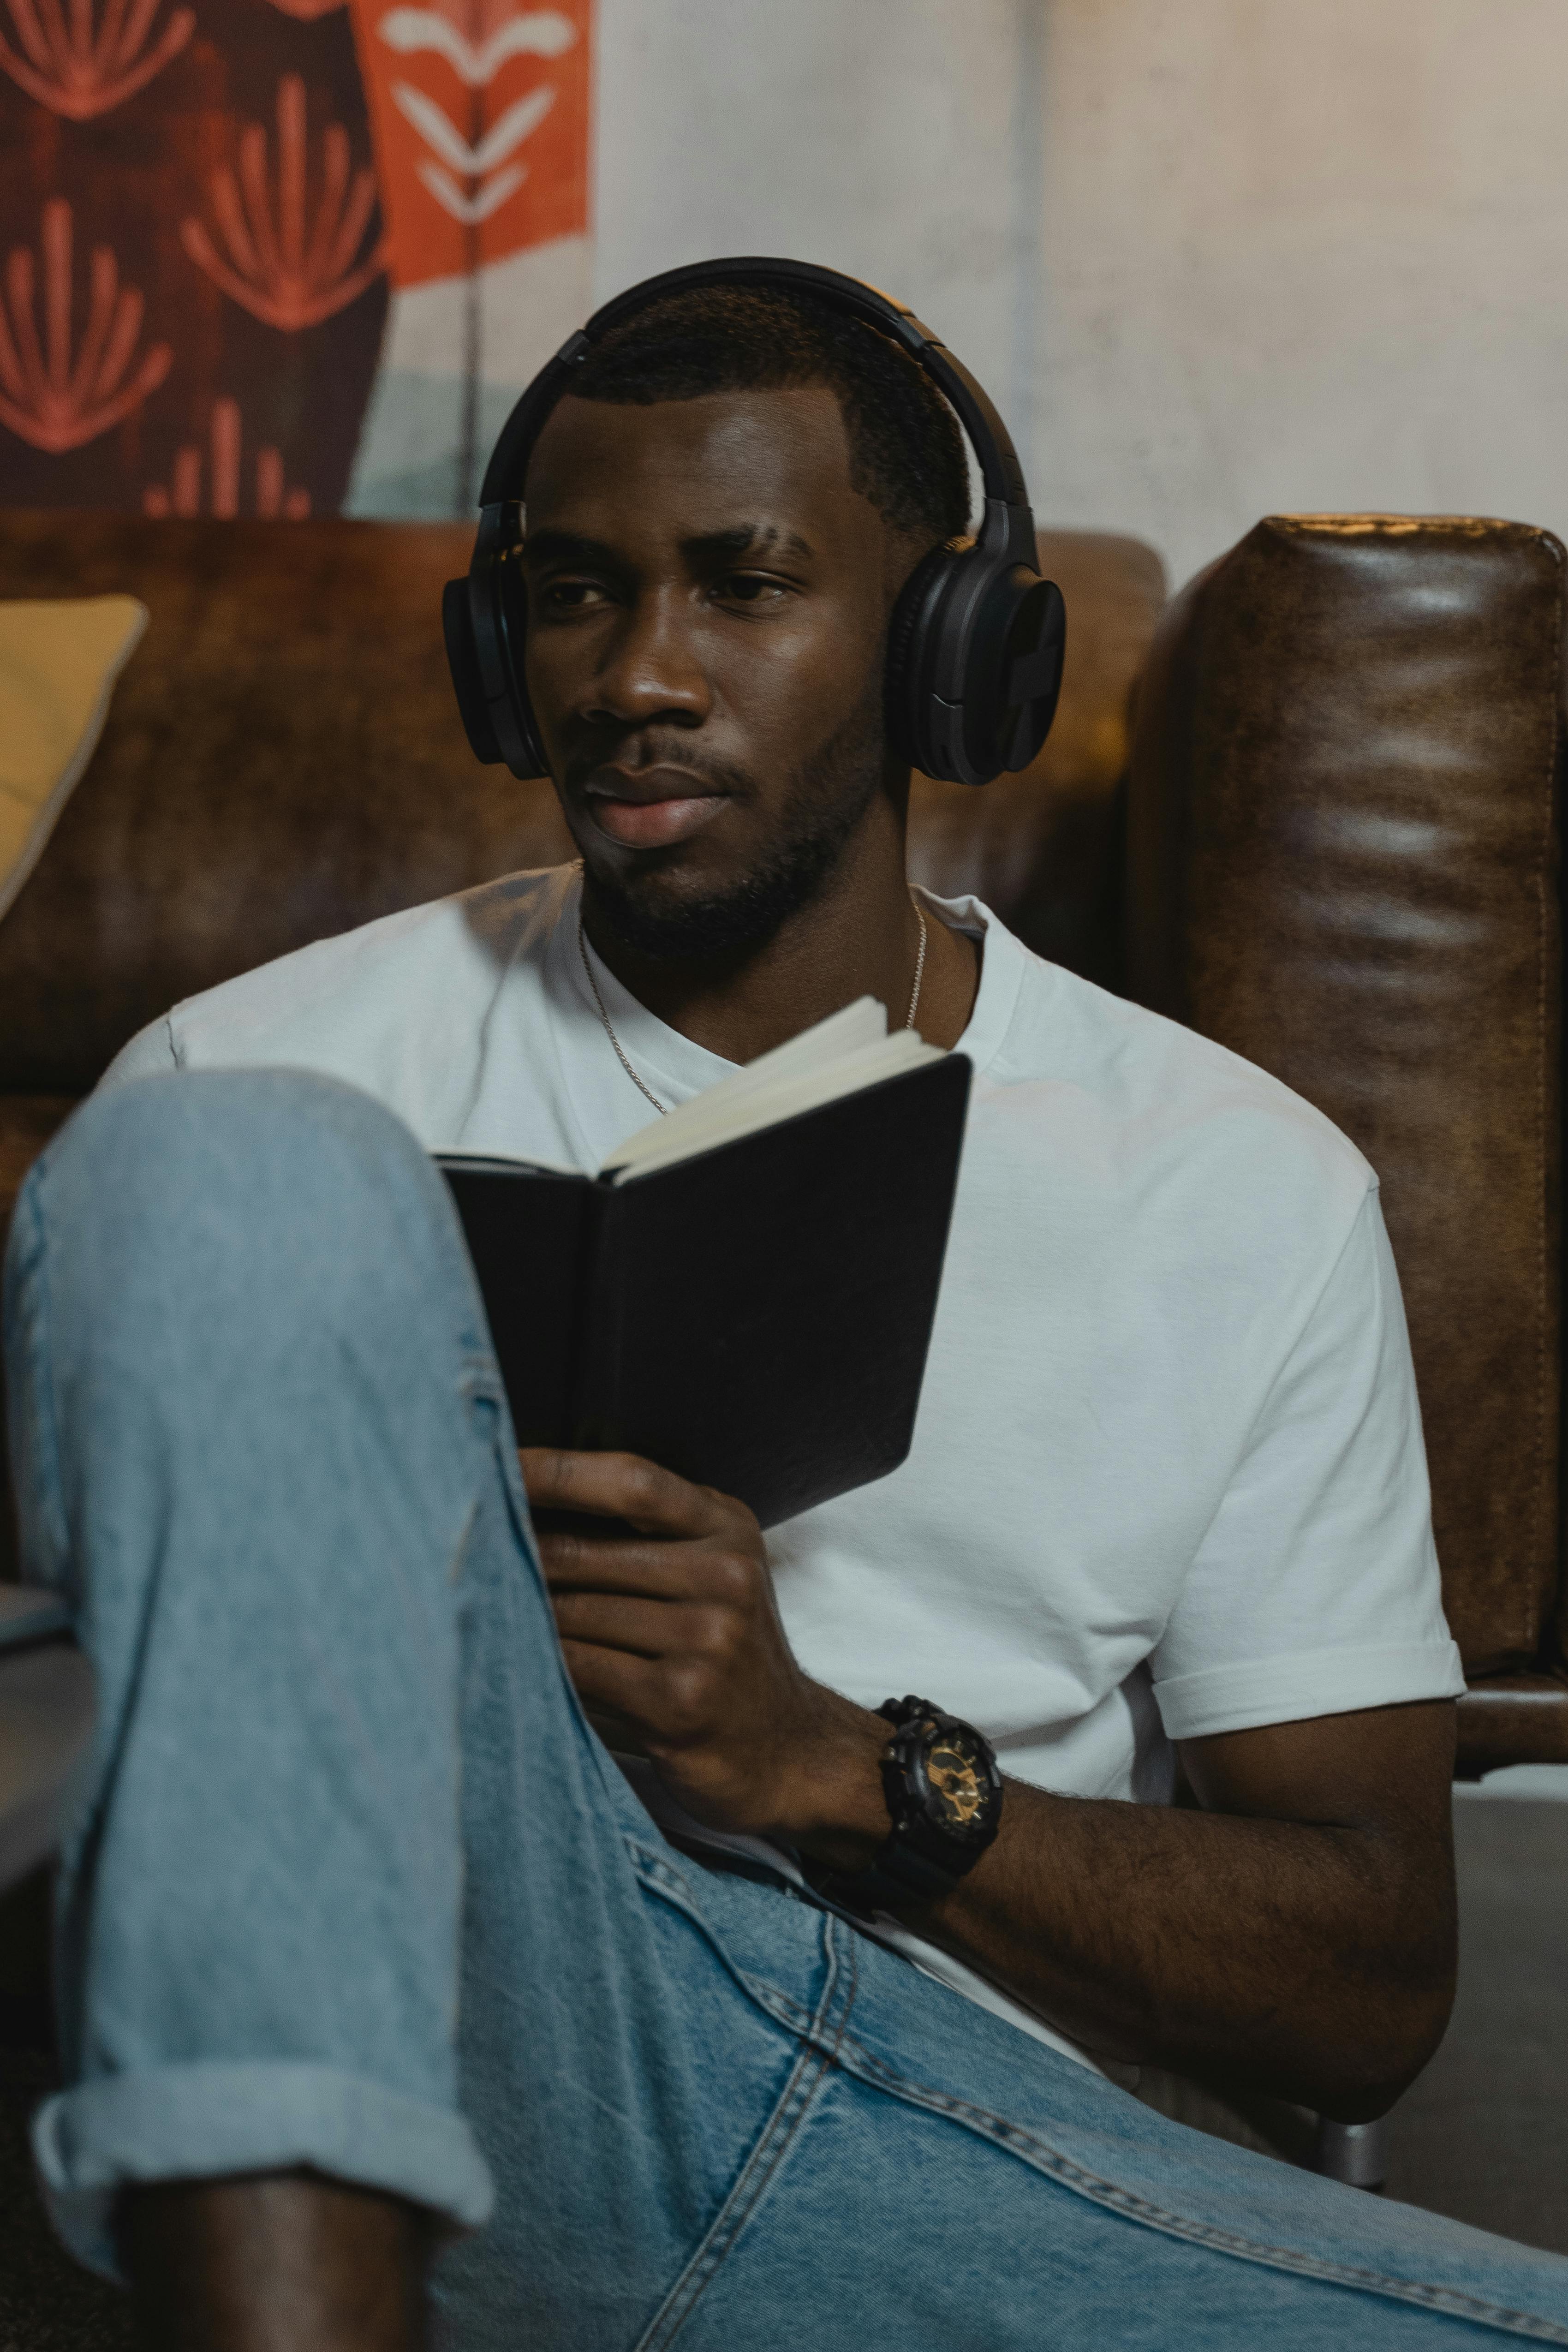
x,y
355,1886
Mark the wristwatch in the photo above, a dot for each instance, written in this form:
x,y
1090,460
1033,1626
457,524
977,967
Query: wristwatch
x,y
945,1795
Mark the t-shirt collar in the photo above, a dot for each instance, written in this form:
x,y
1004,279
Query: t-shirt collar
x,y
675,1067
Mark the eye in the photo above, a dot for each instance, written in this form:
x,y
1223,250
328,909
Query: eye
x,y
563,596
749,588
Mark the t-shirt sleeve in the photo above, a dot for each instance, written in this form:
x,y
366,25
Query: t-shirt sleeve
x,y
1315,1588
150,1051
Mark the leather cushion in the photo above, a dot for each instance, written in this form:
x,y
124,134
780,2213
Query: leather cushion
x,y
283,759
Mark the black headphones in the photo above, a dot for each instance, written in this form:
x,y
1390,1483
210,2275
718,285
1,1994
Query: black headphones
x,y
975,646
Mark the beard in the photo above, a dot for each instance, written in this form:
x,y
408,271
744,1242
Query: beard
x,y
827,797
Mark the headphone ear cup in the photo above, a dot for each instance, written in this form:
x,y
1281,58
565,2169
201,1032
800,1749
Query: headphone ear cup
x,y
487,675
983,665
911,633
523,749
468,683
1015,672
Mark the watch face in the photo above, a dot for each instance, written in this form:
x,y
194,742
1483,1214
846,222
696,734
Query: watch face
x,y
959,1783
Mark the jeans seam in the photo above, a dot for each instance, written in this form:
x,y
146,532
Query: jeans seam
x,y
1452,2302
817,2060
658,1878
48,1477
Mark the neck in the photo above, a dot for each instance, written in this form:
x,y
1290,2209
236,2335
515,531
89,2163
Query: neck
x,y
859,936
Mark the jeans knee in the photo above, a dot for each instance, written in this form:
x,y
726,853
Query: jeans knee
x,y
245,1193
149,1139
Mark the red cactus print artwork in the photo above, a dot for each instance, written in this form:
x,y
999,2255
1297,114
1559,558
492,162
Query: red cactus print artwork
x,y
80,69
48,398
287,268
294,255
183,494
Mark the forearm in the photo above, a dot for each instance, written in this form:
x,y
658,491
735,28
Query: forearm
x,y
1313,1957
1283,1951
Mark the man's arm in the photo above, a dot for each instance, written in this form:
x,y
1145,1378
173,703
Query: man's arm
x,y
1299,1929
1298,1932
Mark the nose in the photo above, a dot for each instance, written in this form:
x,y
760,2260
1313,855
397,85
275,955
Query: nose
x,y
651,667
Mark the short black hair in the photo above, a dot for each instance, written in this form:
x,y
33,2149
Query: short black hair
x,y
906,450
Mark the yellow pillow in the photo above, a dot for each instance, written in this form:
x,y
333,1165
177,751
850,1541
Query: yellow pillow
x,y
58,662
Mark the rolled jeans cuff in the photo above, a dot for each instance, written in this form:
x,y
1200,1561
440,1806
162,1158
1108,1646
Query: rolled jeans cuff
x,y
205,2119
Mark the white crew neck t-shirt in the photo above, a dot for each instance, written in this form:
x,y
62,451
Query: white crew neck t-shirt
x,y
1167,1477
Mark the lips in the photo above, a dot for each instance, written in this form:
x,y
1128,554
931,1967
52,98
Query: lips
x,y
651,810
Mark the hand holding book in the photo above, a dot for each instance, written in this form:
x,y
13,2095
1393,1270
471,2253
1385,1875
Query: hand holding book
x,y
671,1634
744,1292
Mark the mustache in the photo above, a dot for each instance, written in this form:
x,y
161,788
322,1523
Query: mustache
x,y
672,750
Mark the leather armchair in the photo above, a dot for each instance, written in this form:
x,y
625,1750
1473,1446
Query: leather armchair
x,y
1343,864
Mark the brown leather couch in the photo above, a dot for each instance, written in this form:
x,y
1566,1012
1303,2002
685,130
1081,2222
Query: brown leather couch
x,y
1341,852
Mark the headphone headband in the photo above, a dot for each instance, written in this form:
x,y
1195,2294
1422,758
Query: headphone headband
x,y
975,640
1000,468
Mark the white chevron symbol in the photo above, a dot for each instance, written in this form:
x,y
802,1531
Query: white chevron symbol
x,y
470,210
439,131
542,34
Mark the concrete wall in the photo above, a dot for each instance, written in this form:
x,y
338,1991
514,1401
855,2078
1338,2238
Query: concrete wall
x,y
893,139
1304,257
1212,259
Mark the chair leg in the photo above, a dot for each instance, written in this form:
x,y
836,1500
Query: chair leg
x,y
1356,2154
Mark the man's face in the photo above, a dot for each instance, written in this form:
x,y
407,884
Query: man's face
x,y
707,605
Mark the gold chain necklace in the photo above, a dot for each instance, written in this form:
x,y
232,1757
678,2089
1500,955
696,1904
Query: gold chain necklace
x,y
662,1109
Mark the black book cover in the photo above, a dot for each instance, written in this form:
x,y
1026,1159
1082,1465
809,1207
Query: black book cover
x,y
755,1317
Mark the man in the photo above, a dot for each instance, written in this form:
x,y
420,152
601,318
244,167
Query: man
x,y
365,1938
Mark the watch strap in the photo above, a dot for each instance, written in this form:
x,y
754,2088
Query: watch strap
x,y
907,1864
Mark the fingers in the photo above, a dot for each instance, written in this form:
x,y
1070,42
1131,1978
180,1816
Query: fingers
x,y
648,1629
624,1486
618,1687
665,1572
670,1701
617,1731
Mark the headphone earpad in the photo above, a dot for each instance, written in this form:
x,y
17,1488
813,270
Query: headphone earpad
x,y
463,660
522,747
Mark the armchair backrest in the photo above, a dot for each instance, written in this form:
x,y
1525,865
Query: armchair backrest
x,y
1343,864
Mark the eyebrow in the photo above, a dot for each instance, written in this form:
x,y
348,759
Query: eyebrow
x,y
553,546
565,547
749,538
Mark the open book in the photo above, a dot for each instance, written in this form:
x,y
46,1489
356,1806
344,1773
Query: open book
x,y
744,1291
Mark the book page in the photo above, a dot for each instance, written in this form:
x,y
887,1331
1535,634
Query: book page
x,y
702,1124
850,1049
864,1022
